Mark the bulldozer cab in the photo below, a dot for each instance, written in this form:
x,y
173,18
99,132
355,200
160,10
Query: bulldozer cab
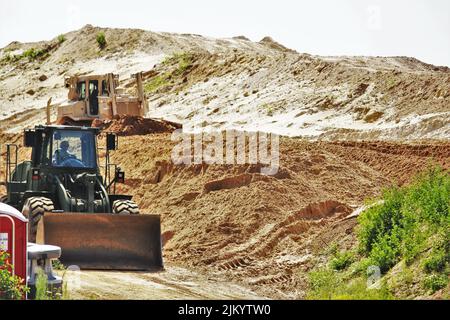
x,y
93,97
100,97
88,89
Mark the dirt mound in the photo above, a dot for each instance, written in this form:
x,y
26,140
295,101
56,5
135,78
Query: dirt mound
x,y
253,229
268,41
124,125
256,229
228,183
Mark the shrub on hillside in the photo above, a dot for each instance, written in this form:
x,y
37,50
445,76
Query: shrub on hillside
x,y
101,40
409,220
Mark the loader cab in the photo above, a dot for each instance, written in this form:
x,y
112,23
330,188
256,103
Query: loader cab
x,y
65,147
71,149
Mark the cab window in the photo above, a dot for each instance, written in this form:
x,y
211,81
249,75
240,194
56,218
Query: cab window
x,y
104,88
81,89
75,149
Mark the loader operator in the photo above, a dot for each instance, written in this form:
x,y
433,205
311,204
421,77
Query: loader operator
x,y
62,154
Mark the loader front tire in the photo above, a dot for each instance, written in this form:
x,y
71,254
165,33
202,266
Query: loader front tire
x,y
33,209
125,207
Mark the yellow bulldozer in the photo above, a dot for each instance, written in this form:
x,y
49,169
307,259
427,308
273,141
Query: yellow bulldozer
x,y
100,97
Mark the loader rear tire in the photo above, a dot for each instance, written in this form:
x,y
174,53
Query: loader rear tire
x,y
34,209
125,207
4,199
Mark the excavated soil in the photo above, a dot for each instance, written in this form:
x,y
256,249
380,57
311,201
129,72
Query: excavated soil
x,y
265,232
248,234
125,125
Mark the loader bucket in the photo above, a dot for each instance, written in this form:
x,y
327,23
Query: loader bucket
x,y
104,241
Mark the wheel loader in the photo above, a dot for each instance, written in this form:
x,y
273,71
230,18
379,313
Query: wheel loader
x,y
71,201
93,97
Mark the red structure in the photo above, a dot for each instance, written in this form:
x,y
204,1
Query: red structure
x,y
13,239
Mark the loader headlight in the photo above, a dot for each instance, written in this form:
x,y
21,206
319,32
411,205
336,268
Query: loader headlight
x,y
120,176
35,174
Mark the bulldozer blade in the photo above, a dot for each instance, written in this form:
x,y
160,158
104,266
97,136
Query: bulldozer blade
x,y
104,241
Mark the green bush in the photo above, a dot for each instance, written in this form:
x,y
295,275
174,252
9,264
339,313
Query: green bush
x,y
57,265
31,54
436,261
42,292
101,39
323,284
342,260
435,282
11,287
402,225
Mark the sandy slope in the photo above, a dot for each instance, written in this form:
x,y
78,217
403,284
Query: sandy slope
x,y
236,83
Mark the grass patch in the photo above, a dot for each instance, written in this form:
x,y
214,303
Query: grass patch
x,y
44,291
435,282
269,109
183,62
61,38
391,83
326,284
180,63
31,54
157,83
8,58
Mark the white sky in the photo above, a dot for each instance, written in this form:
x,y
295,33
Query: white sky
x,y
417,28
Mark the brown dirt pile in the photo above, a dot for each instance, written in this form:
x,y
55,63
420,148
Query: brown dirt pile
x,y
237,224
258,229
133,125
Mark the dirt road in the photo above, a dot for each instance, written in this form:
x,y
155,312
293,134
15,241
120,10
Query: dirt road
x,y
172,283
